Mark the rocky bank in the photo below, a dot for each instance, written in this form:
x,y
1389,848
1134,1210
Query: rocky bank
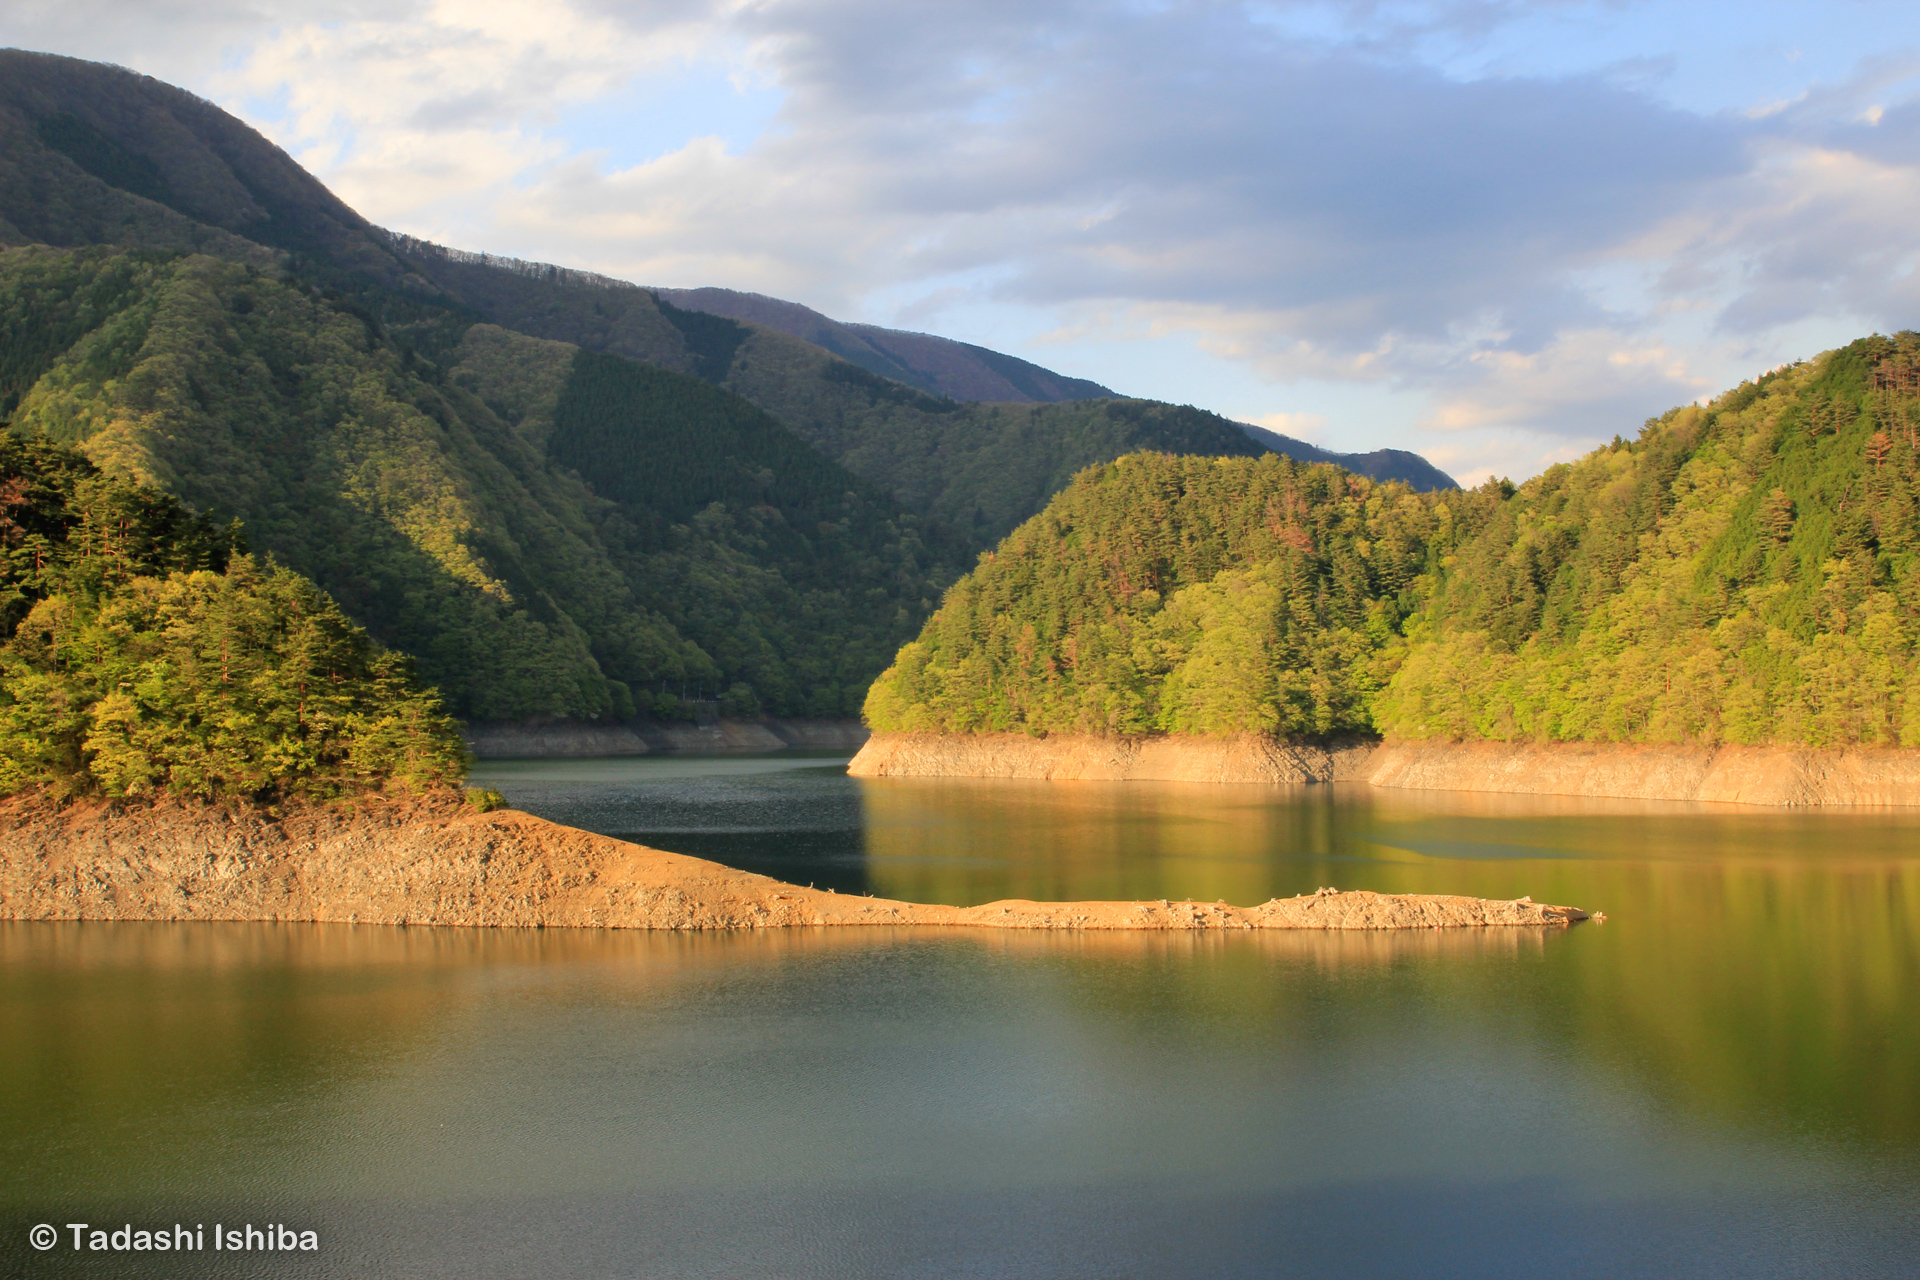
x,y
435,861
1247,758
1741,775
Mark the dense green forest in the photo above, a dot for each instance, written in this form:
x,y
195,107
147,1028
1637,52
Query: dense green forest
x,y
547,532
143,650
1188,595
1744,572
563,495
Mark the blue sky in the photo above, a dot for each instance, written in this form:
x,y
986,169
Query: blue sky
x,y
1496,233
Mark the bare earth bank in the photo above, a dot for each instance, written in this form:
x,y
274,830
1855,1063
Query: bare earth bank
x,y
1743,775
435,861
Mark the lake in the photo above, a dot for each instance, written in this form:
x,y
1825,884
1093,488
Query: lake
x,y
1720,1079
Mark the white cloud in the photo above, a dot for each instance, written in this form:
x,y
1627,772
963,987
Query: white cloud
x,y
420,116
1312,192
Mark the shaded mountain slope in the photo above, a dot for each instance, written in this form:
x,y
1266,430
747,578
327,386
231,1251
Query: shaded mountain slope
x,y
454,510
96,154
978,468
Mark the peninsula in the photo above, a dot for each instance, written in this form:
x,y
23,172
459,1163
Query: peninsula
x,y
433,859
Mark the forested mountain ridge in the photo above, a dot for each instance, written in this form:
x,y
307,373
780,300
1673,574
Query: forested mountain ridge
x,y
443,506
938,366
447,443
1174,594
979,467
92,154
1746,572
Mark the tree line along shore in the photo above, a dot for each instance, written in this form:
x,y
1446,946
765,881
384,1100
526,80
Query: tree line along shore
x,y
285,499
1745,572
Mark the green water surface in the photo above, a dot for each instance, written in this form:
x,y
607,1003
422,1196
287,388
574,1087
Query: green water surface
x,y
1720,1079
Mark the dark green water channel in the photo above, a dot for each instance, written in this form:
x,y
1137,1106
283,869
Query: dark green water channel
x,y
1723,1079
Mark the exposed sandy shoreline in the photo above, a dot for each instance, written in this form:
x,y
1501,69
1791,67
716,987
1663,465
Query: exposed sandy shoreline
x,y
1742,775
437,862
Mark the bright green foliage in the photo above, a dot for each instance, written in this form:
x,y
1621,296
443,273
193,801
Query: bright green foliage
x,y
485,799
543,533
1748,572
1192,595
152,658
64,527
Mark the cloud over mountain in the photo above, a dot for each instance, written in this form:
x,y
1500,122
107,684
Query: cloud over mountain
x,y
1527,253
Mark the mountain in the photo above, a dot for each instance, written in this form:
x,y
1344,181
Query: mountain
x,y
1409,469
979,467
1745,572
962,371
483,514
939,366
563,494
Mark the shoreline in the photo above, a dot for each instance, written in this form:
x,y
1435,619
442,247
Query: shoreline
x,y
435,861
570,739
1773,776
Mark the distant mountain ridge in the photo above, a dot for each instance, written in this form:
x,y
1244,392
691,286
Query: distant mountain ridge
x,y
939,366
565,495
1381,464
175,172
963,371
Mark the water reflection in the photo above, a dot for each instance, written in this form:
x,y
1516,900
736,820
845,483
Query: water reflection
x,y
1758,965
892,1102
1724,1078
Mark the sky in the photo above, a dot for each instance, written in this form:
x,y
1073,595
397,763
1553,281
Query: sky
x,y
1496,233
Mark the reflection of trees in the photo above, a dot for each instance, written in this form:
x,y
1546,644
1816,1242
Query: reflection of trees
x,y
965,840
1757,966
141,1059
1758,970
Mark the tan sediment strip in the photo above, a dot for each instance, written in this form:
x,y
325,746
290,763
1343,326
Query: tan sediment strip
x,y
1787,777
1243,758
436,862
1779,776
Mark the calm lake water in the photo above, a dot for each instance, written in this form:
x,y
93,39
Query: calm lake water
x,y
1723,1079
